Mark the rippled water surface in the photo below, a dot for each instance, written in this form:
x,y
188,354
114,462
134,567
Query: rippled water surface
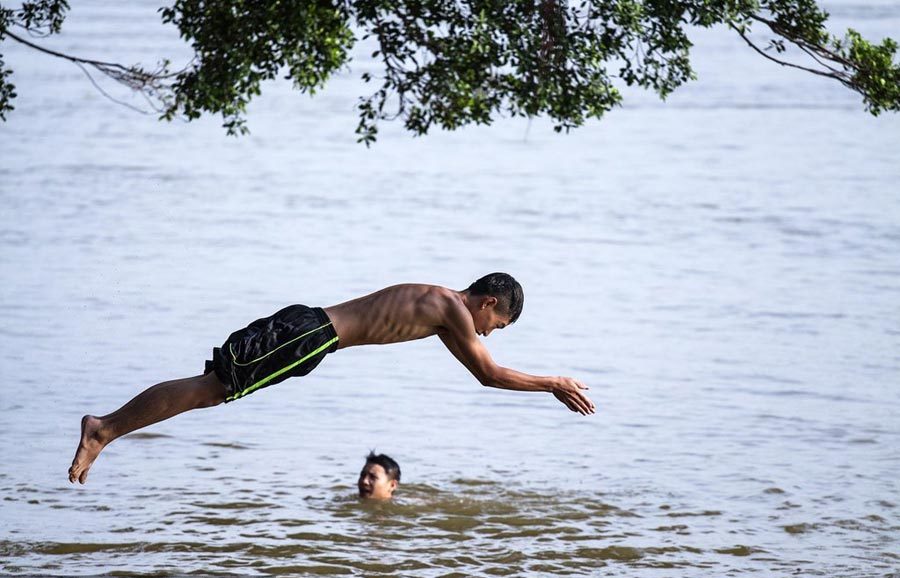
x,y
722,269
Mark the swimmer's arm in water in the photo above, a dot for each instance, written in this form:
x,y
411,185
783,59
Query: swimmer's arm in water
x,y
458,335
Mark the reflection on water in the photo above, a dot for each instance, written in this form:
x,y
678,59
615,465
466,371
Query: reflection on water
x,y
721,269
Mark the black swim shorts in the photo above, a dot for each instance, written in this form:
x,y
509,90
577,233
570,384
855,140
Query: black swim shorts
x,y
290,343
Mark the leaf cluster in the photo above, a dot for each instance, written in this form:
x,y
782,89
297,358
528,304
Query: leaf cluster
x,y
39,18
873,70
451,63
239,44
863,67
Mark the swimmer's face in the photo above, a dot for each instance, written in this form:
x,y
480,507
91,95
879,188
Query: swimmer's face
x,y
487,318
374,483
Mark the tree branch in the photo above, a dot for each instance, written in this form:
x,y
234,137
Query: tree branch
x,y
106,94
750,43
94,63
821,51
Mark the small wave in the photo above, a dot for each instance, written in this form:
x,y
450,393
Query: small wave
x,y
234,505
740,550
145,436
232,446
704,513
799,393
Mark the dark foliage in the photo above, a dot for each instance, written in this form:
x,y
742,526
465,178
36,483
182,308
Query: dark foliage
x,y
452,63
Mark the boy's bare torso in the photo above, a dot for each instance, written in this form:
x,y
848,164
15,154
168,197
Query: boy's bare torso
x,y
394,314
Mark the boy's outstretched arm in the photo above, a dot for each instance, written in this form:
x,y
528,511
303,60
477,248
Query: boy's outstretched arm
x,y
458,335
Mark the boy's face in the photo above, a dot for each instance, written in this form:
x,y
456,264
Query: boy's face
x,y
487,318
374,483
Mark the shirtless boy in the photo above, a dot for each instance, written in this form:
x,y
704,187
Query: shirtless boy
x,y
294,340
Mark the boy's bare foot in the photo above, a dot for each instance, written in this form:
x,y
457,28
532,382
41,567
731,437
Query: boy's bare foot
x,y
88,449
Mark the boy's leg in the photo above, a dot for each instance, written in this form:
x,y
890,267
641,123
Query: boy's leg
x,y
153,405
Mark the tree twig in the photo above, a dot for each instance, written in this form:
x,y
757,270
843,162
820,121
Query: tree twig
x,y
106,94
784,62
95,63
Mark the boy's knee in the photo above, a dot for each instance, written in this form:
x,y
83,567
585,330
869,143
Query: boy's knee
x,y
211,391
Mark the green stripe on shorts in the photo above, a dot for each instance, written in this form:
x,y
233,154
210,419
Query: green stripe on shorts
x,y
266,380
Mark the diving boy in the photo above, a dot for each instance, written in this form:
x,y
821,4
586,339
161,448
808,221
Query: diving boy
x,y
294,340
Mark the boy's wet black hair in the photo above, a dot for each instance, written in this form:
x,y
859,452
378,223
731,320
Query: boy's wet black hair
x,y
391,468
506,289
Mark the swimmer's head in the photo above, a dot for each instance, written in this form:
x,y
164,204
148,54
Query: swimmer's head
x,y
495,301
378,478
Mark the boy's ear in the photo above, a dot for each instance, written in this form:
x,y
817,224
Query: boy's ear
x,y
488,302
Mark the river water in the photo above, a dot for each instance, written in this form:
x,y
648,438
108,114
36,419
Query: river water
x,y
722,269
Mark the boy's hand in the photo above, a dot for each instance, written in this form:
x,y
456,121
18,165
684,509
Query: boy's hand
x,y
571,393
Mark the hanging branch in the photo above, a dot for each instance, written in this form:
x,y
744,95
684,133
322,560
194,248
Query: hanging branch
x,y
841,77
155,86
